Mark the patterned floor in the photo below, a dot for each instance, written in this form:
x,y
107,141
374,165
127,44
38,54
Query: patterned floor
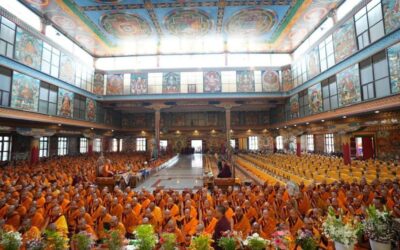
x,y
187,172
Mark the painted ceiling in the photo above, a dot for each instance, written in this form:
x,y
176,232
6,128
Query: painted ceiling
x,y
137,27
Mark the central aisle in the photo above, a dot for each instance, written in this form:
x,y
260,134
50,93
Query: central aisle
x,y
187,172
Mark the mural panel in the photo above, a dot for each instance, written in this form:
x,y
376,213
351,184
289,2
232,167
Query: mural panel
x,y
98,84
25,92
394,66
344,41
315,99
245,81
287,83
125,25
90,110
294,106
115,84
171,82
139,83
67,68
270,81
349,86
28,49
313,63
65,103
188,22
391,12
212,82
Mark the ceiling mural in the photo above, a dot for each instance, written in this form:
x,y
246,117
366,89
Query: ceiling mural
x,y
113,27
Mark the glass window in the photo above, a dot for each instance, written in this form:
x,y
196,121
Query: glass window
x,y
114,146
369,24
303,101
7,37
326,54
83,145
121,142
163,145
140,144
233,143
253,142
279,142
62,146
44,147
97,145
329,93
329,143
79,107
48,99
5,147
5,86
310,143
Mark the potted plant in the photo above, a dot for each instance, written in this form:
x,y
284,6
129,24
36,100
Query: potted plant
x,y
281,240
114,240
255,242
168,241
82,241
227,243
11,240
305,239
55,241
201,242
147,238
378,227
344,234
35,244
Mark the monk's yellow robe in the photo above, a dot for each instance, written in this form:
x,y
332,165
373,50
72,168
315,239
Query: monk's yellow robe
x,y
209,226
268,227
189,226
229,213
295,225
130,221
241,225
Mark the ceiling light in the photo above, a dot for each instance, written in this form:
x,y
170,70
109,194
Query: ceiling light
x,y
112,130
377,111
307,123
322,120
285,127
91,128
344,117
59,124
295,125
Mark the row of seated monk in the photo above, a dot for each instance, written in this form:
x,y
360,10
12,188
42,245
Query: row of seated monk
x,y
61,195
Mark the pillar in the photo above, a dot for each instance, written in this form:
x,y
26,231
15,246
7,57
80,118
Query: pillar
x,y
275,149
157,115
298,146
228,126
346,149
34,150
90,146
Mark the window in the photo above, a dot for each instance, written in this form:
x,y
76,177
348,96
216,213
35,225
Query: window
x,y
79,107
329,143
50,60
330,94
140,144
369,24
97,145
374,76
83,145
310,143
279,142
299,72
326,54
303,102
163,145
253,142
44,147
233,143
48,99
121,142
5,86
114,146
62,146
7,37
5,147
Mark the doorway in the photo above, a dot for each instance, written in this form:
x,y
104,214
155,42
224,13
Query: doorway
x,y
363,147
197,145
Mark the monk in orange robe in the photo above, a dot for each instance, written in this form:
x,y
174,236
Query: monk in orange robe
x,y
294,221
172,207
101,221
209,222
172,228
137,208
267,224
129,219
189,223
249,211
116,209
240,222
229,211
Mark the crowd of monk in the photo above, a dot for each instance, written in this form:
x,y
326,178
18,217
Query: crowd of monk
x,y
61,194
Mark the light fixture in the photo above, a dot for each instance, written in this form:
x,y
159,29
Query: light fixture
x,y
91,128
322,120
285,127
59,124
307,123
295,125
231,131
112,130
344,117
377,111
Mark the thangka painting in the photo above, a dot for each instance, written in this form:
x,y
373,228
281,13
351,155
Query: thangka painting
x,y
90,110
191,88
25,92
287,83
270,81
139,83
294,106
348,82
115,84
391,12
394,66
313,63
344,40
98,84
315,98
212,82
245,81
65,103
67,68
28,49
171,82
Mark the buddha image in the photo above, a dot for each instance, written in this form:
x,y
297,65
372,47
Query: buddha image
x,y
65,109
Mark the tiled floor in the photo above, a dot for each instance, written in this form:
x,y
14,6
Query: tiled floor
x,y
187,172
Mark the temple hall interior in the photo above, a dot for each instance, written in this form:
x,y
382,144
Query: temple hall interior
x,y
200,124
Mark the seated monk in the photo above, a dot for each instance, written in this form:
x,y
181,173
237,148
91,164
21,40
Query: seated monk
x,y
117,226
129,219
189,223
255,229
209,222
29,232
36,217
57,222
172,228
104,170
267,224
85,227
294,221
101,220
12,217
240,222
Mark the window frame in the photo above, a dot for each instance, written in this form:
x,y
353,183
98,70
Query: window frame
x,y
253,142
79,107
48,102
5,147
44,143
62,146
141,144
328,83
329,143
310,143
83,145
279,142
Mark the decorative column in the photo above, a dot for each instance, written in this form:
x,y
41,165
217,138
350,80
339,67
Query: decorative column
x,y
298,146
228,126
157,115
346,149
90,146
34,157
